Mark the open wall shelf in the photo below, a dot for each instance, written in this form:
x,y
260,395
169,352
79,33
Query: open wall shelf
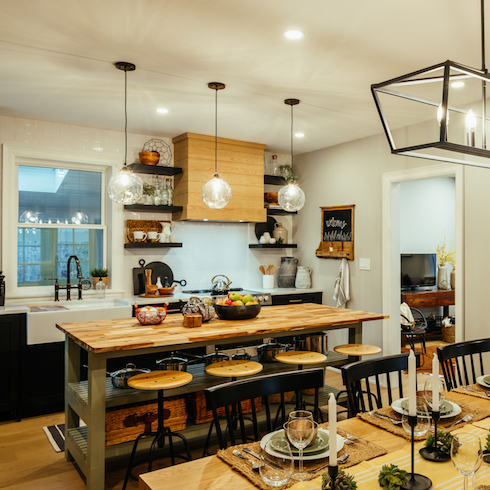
x,y
140,168
275,245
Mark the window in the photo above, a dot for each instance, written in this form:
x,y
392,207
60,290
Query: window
x,y
59,215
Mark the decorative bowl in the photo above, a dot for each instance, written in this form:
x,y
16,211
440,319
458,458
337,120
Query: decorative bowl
x,y
237,312
149,315
271,197
149,157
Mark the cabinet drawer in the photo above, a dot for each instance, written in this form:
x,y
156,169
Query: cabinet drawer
x,y
424,302
287,299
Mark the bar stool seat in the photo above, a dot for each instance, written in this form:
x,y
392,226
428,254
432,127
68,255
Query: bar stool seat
x,y
160,381
301,357
357,349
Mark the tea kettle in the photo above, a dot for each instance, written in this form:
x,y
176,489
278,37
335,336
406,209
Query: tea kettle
x,y
220,285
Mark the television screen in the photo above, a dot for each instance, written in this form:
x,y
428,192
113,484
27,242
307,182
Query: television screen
x,y
418,271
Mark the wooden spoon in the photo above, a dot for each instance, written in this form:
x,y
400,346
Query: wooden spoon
x,y
262,269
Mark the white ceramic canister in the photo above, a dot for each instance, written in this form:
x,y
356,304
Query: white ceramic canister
x,y
280,232
303,278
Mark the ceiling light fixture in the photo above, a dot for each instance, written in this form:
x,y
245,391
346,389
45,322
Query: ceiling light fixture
x,y
162,110
415,110
291,197
299,135
216,193
125,187
294,34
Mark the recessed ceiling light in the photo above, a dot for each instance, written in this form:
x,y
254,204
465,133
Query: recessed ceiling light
x,y
162,110
294,34
299,135
458,84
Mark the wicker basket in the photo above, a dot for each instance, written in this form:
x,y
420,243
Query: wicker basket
x,y
117,432
199,413
145,226
288,396
449,334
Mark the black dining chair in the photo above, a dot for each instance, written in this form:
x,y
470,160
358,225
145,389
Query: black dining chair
x,y
360,391
230,395
417,329
462,362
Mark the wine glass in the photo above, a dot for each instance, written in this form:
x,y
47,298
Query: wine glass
x,y
300,414
481,479
428,392
466,454
423,420
300,433
277,464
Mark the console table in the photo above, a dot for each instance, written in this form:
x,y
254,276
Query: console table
x,y
429,299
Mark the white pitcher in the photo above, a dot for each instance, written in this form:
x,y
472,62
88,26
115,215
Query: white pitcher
x,y
303,278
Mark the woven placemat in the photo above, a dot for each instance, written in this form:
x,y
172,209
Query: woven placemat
x,y
360,451
480,393
442,424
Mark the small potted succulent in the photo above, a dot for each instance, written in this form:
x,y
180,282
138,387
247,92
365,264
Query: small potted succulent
x,y
342,481
444,441
99,272
391,477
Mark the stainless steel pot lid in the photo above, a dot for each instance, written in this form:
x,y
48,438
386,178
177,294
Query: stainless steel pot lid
x,y
129,369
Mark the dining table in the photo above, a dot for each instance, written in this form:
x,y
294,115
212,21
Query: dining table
x,y
213,473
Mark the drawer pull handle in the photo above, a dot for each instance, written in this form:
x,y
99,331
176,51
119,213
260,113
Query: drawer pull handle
x,y
295,300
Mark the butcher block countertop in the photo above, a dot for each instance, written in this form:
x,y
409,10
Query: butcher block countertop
x,y
127,333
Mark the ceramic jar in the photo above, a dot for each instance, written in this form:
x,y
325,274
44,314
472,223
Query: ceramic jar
x,y
303,278
442,277
287,272
280,232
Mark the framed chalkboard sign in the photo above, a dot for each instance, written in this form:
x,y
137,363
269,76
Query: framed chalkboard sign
x,y
337,227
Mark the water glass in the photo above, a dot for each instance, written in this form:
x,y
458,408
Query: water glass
x,y
423,420
300,433
481,479
428,392
300,414
277,465
466,454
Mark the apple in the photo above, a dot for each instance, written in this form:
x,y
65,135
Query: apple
x,y
249,303
228,302
219,302
234,296
247,299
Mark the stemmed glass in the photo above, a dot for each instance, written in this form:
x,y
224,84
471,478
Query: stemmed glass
x,y
300,414
466,454
277,465
300,433
428,392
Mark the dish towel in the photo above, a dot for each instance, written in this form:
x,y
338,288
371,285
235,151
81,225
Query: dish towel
x,y
406,315
341,292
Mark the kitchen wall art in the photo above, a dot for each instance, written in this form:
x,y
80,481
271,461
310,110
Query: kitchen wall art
x,y
337,225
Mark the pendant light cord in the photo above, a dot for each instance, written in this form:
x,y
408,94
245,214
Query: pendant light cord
x,y
216,132
291,137
125,117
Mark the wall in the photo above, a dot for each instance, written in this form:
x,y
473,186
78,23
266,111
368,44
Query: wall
x,y
208,248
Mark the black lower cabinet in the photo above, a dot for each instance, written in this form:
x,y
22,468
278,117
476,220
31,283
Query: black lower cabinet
x,y
12,338
296,298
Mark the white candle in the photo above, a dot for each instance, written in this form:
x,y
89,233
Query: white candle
x,y
412,389
435,383
332,430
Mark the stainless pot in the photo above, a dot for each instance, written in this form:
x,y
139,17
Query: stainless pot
x,y
172,363
315,342
267,352
120,378
241,355
220,285
215,357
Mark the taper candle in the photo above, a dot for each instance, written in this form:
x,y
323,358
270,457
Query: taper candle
x,y
332,430
412,382
435,383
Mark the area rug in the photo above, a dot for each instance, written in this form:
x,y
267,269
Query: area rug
x,y
56,436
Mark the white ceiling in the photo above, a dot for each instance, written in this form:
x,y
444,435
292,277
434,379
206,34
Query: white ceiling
x,y
57,62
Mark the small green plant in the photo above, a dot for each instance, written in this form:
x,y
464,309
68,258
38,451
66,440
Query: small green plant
x,y
148,189
487,445
99,272
391,477
288,173
444,441
342,481
280,240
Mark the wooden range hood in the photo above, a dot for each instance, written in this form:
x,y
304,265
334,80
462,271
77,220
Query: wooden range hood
x,y
240,163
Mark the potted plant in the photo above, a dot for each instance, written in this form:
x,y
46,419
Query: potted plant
x,y
148,193
99,272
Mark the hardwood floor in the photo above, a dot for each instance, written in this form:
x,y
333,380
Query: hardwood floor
x,y
28,461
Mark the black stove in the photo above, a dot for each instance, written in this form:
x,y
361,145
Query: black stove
x,y
265,299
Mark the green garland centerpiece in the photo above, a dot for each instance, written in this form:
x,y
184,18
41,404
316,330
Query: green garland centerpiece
x,y
391,477
342,481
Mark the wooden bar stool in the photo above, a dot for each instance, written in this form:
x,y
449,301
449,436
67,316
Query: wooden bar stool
x,y
300,358
233,370
158,380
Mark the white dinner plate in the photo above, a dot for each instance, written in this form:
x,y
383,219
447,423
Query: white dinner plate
x,y
324,454
480,381
456,409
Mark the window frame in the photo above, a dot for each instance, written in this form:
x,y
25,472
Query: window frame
x,y
14,157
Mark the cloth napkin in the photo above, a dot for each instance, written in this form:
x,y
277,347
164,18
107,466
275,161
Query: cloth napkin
x,y
406,315
341,287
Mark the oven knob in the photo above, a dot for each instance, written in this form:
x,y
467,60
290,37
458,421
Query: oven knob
x,y
266,298
260,298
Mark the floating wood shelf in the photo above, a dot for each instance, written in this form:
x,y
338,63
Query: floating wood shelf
x,y
152,208
274,180
276,212
152,245
140,168
274,245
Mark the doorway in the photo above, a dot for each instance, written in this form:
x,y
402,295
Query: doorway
x,y
391,247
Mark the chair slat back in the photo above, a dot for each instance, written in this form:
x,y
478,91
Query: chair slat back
x,y
235,392
457,359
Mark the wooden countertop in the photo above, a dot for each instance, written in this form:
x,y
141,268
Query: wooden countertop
x,y
127,333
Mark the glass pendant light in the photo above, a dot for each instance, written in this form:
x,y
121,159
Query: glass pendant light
x,y
216,193
291,196
125,187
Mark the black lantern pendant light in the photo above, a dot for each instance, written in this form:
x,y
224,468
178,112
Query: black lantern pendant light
x,y
125,187
439,112
216,193
291,197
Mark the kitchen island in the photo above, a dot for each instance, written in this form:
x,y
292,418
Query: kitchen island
x,y
116,338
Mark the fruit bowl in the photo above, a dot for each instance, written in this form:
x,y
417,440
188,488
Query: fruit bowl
x,y
149,315
241,312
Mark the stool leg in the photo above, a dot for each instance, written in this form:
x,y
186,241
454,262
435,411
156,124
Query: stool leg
x,y
131,459
299,395
155,441
208,438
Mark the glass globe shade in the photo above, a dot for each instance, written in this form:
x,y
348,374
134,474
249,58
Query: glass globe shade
x,y
29,217
216,193
79,218
125,187
291,197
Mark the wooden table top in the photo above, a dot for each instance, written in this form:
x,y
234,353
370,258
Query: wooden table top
x,y
127,333
213,473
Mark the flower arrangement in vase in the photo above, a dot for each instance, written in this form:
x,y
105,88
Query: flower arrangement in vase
x,y
444,256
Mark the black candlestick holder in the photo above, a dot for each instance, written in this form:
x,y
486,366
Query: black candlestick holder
x,y
433,453
333,471
415,481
